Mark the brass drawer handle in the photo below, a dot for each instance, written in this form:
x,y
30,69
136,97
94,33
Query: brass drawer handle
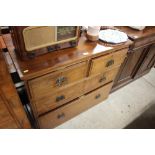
x,y
59,98
102,79
60,81
60,116
97,96
110,63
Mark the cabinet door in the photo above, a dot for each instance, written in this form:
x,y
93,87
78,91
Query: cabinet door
x,y
12,114
148,61
129,67
6,118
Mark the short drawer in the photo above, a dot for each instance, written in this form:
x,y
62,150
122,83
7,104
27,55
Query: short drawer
x,y
98,80
107,62
59,116
54,81
54,100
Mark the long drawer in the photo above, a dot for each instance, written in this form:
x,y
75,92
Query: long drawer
x,y
41,86
98,80
54,100
57,117
107,62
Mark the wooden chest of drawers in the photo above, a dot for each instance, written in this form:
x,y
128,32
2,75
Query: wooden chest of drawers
x,y
63,94
63,84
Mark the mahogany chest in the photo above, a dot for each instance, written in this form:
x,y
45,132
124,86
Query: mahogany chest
x,y
65,83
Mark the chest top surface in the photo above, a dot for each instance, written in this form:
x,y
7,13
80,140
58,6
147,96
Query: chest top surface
x,y
52,61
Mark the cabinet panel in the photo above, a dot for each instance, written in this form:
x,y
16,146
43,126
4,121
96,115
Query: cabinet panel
x,y
148,62
12,114
130,66
144,41
6,119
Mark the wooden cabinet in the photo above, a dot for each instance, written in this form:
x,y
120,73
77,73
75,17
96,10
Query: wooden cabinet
x,y
128,67
12,114
140,58
65,83
6,119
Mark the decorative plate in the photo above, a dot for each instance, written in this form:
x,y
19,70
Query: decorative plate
x,y
113,36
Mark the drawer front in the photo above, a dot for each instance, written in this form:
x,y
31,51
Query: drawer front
x,y
54,81
57,117
59,98
107,62
144,41
98,80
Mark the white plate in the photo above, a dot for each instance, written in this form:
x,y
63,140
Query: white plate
x,y
113,36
